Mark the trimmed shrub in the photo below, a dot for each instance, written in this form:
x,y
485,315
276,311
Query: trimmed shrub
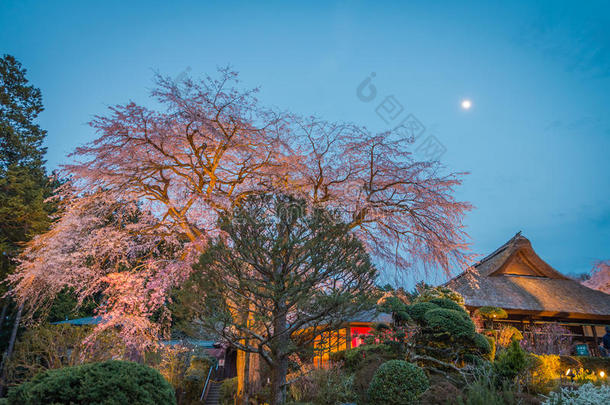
x,y
109,382
228,391
417,311
482,344
396,307
594,363
397,382
591,363
449,321
448,304
492,313
428,293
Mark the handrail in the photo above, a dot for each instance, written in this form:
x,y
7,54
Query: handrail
x,y
207,380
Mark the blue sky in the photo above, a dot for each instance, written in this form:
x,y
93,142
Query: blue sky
x,y
536,140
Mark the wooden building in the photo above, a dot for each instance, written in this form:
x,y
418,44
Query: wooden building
x,y
350,336
517,280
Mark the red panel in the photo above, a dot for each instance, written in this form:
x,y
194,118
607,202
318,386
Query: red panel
x,y
356,332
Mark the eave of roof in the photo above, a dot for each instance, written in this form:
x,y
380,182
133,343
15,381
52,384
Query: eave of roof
x,y
485,285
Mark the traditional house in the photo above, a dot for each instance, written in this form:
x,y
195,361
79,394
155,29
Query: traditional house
x,y
350,336
517,280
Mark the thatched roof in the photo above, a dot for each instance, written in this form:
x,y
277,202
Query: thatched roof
x,y
515,278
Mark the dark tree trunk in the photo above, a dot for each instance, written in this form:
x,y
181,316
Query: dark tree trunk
x,y
278,353
3,314
9,350
278,382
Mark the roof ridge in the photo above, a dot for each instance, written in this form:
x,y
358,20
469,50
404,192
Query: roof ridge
x,y
500,249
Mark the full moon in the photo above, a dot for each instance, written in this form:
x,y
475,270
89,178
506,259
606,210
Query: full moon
x,y
466,104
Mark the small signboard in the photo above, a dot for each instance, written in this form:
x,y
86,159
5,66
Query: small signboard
x,y
582,350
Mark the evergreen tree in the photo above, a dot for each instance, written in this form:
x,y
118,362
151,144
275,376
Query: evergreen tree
x,y
20,103
283,275
23,181
24,185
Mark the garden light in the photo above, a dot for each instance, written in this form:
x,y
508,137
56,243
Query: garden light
x,y
602,374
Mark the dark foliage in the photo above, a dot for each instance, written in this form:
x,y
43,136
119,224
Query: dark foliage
x,y
450,322
442,393
417,311
110,382
448,304
353,359
397,382
510,363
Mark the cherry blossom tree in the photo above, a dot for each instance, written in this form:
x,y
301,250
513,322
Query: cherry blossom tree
x,y
207,146
600,277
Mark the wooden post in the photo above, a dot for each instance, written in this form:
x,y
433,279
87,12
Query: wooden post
x,y
348,336
596,339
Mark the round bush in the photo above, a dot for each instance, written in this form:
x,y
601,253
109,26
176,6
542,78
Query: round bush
x,y
417,311
482,343
449,321
492,313
109,382
448,304
397,382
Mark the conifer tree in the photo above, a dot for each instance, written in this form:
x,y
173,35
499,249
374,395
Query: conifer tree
x,y
23,181
24,185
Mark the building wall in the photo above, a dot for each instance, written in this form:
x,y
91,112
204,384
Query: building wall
x,y
345,338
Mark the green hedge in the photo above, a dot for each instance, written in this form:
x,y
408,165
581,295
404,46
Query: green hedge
x,y
482,343
448,304
449,321
488,312
417,311
397,382
588,363
109,382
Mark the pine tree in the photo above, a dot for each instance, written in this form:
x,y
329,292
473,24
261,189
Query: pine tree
x,y
20,104
24,184
23,181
